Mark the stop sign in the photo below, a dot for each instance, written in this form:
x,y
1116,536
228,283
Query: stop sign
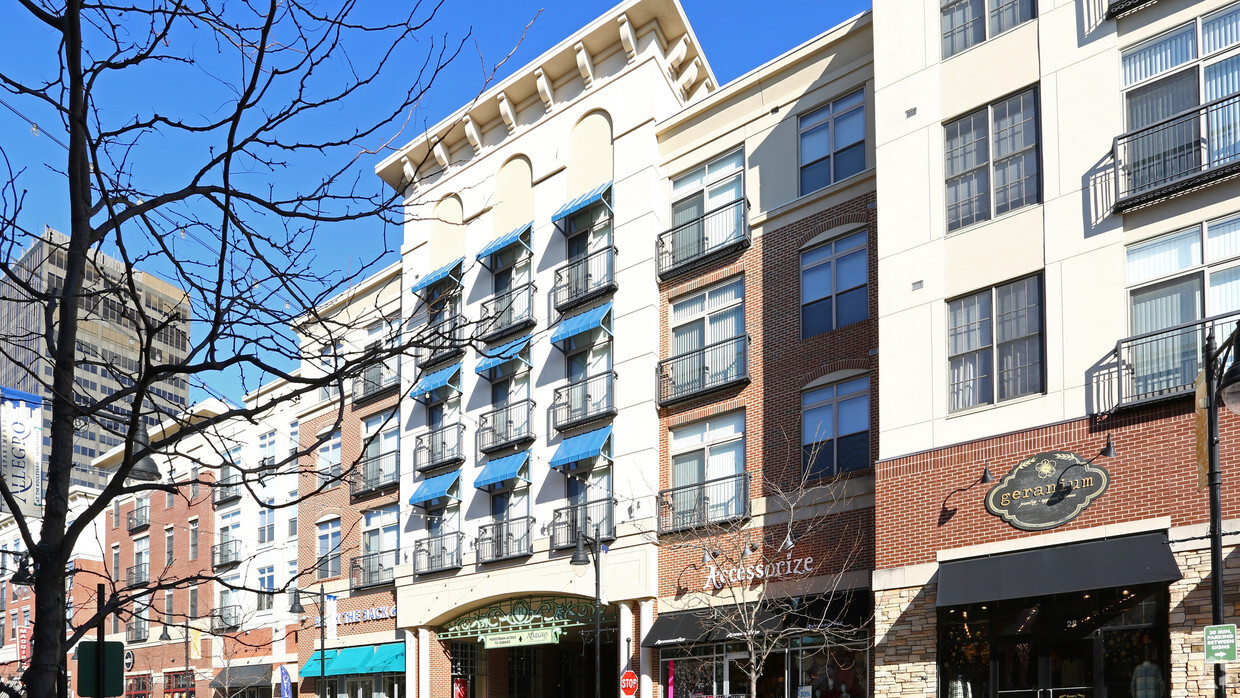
x,y
628,683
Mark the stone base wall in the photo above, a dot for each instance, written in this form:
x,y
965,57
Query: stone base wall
x,y
905,642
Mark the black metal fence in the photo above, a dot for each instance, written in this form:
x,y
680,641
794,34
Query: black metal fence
x,y
438,553
585,278
505,539
695,242
711,502
443,446
700,371
584,401
507,311
374,568
591,518
505,426
376,473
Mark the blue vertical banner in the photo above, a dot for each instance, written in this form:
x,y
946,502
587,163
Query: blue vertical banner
x,y
286,684
21,449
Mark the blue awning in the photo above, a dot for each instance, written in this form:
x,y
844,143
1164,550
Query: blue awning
x,y
311,668
436,380
389,658
502,470
433,488
15,395
438,275
351,660
582,322
503,241
581,202
587,445
508,352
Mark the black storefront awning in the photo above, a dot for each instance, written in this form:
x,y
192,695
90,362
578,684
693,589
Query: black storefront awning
x,y
243,676
1096,564
842,610
683,628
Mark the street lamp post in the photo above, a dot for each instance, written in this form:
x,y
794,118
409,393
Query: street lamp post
x,y
580,561
296,607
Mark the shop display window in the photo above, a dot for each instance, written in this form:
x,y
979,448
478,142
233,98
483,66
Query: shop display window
x,y
808,663
138,687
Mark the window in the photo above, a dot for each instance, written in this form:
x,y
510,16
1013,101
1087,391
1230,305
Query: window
x,y
991,159
835,428
833,285
832,140
193,539
705,327
267,449
116,513
179,684
116,565
379,466
170,499
708,212
169,606
965,22
169,547
193,485
138,687
292,519
13,625
267,522
708,460
329,549
193,601
267,586
293,444
329,461
998,327
329,359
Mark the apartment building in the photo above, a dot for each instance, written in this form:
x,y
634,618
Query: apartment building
x,y
1058,221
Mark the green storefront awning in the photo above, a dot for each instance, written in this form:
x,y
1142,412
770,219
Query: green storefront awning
x,y
388,659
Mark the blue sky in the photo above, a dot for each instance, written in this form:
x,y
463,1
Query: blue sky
x,y
735,36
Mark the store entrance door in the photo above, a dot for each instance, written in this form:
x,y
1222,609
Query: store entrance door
x,y
1063,668
1018,669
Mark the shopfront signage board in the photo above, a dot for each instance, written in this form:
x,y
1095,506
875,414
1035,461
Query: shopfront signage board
x,y
23,644
1047,490
88,669
1220,643
628,683
21,449
521,638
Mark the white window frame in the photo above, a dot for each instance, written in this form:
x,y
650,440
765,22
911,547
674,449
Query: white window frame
x,y
265,597
267,522
720,508
707,313
327,555
329,461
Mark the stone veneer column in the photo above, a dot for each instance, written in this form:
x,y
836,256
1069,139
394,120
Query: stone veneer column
x,y
1190,613
905,642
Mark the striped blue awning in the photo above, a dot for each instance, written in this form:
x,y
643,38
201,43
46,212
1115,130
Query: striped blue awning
x,y
508,352
592,197
438,275
572,326
433,488
503,241
578,448
437,380
503,470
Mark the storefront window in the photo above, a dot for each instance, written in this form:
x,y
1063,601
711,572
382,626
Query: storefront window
x,y
138,687
827,670
179,685
468,670
523,673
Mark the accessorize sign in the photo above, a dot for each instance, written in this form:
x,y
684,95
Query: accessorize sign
x,y
1047,490
520,638
717,577
21,453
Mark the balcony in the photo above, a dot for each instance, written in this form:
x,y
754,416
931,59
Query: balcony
x,y
376,380
1119,8
582,280
138,574
375,474
138,519
225,618
438,553
227,490
137,630
440,448
702,504
703,240
267,464
506,426
374,569
584,401
226,553
1162,365
507,313
692,374
505,540
442,339
1179,153
589,518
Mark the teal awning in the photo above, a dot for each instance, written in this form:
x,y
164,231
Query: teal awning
x,y
503,241
438,275
508,352
592,197
352,660
311,667
437,380
574,325
389,658
587,445
437,487
503,470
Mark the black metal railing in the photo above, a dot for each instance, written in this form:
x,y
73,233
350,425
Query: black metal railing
x,y
375,473
703,239
138,518
442,340
598,517
703,504
227,490
374,568
507,312
1119,8
137,631
1178,153
267,463
584,279
506,426
584,401
505,539
376,379
441,447
138,574
225,618
697,372
438,553
1163,364
226,553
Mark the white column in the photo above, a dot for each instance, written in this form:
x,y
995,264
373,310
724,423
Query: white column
x,y
650,668
424,663
626,640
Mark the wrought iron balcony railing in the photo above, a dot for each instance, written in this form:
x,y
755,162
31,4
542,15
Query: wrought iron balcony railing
x,y
442,447
438,553
373,569
703,240
584,279
704,504
227,490
1182,152
507,312
584,402
267,463
138,574
503,540
443,339
226,553
598,517
1162,365
704,370
506,426
376,379
138,519
225,618
376,473
137,631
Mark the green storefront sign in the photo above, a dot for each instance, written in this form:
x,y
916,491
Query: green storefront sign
x,y
521,638
1220,643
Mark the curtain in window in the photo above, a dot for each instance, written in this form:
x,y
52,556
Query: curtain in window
x,y
1167,151
969,337
1166,361
1160,55
725,224
1225,296
688,474
1223,239
1164,256
1222,79
1220,30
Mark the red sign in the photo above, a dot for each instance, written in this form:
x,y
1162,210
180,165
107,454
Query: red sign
x,y
23,643
628,683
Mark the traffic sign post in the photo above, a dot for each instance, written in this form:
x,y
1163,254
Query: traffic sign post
x,y
1220,643
628,683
